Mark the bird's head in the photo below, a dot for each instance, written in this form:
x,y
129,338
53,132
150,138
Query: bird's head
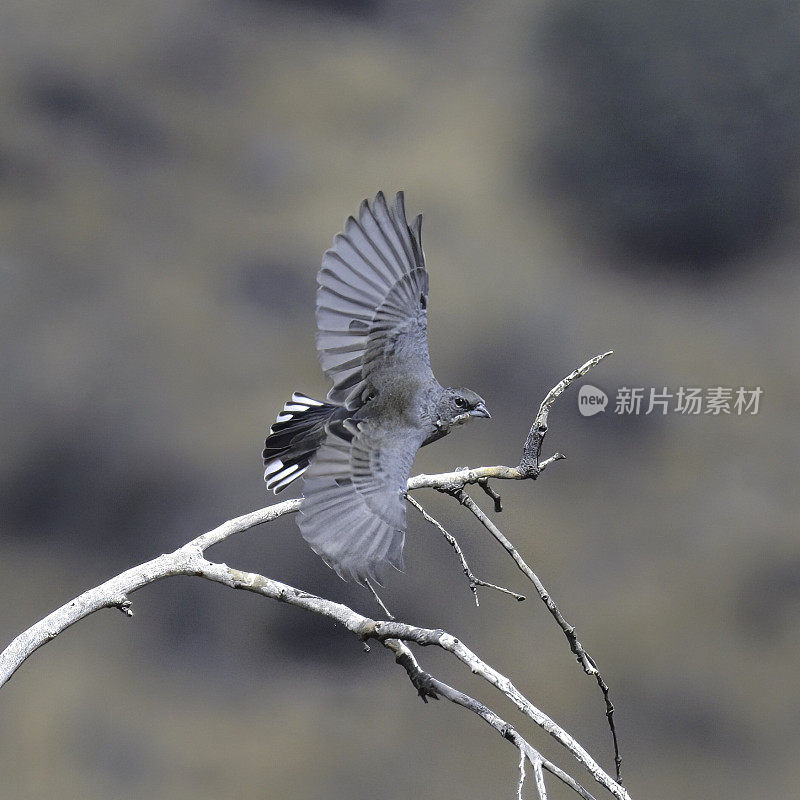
x,y
456,406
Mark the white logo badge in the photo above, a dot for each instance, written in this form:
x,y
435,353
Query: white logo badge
x,y
591,400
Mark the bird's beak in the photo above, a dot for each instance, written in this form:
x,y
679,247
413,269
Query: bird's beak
x,y
480,411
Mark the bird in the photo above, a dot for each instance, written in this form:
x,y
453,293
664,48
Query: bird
x,y
355,450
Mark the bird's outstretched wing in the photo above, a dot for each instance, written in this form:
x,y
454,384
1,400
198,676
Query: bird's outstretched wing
x,y
353,510
372,302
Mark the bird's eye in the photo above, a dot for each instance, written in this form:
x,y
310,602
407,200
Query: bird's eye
x,y
460,402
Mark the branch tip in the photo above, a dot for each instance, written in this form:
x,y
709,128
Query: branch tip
x,y
529,464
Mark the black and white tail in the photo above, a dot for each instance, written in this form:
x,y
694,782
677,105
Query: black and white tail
x,y
293,439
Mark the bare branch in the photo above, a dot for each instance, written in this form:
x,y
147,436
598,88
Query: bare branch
x,y
521,773
568,629
537,771
452,541
428,686
584,659
439,638
189,560
113,593
530,467
529,464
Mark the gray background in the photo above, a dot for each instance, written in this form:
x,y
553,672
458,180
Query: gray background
x,y
593,176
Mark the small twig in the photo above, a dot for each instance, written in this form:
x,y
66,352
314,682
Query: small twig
x,y
520,598
462,497
125,606
474,581
453,542
521,773
529,464
498,503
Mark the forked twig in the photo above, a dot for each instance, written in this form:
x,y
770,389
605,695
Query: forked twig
x,y
474,581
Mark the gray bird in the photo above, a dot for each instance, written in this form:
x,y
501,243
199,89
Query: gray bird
x,y
356,449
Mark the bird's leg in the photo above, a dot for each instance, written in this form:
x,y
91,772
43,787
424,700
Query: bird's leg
x,y
378,600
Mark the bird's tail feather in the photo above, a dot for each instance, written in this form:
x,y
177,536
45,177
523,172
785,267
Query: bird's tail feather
x,y
293,439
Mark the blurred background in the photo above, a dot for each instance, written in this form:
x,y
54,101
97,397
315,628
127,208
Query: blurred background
x,y
593,176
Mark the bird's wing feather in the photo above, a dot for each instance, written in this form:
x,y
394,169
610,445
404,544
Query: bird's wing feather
x,y
353,510
372,301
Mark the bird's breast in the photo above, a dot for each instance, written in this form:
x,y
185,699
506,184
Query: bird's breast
x,y
398,403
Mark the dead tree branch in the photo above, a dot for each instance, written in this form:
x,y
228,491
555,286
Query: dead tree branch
x,y
190,560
